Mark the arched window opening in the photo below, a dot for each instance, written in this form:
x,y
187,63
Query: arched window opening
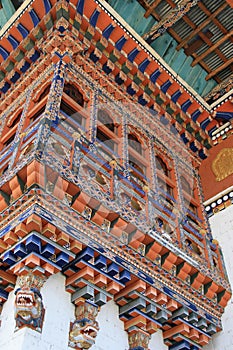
x,y
186,186
106,134
16,120
135,143
137,157
44,93
104,138
74,116
193,208
193,247
105,119
74,93
161,165
137,165
165,187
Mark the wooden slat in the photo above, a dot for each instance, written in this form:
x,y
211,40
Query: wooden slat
x,y
151,8
212,48
215,20
219,69
230,2
170,30
201,26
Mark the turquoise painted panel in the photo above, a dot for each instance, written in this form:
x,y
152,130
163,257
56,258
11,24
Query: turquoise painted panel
x,y
194,74
161,44
185,68
170,51
200,82
133,14
177,60
6,12
210,85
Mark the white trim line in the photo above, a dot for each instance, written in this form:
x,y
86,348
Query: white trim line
x,y
219,195
15,16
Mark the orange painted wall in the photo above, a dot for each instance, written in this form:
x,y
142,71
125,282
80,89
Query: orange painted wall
x,y
211,187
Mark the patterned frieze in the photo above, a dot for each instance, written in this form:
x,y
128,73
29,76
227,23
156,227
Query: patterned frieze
x,y
90,266
70,230
70,206
102,198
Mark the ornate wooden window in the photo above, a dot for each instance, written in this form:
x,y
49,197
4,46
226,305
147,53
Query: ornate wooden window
x,y
135,143
107,134
74,93
73,118
138,164
192,202
161,165
166,181
72,108
192,246
186,186
105,119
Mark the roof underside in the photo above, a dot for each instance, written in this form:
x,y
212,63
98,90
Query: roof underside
x,y
193,37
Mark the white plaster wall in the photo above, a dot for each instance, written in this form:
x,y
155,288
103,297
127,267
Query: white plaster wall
x,y
222,229
111,334
156,342
59,311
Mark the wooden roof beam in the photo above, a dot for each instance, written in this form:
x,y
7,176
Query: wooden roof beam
x,y
168,20
215,20
212,48
151,8
219,69
170,30
230,2
200,27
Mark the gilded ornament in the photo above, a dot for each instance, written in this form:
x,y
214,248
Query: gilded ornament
x,y
222,165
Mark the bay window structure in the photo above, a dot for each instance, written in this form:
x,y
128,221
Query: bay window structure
x,y
96,134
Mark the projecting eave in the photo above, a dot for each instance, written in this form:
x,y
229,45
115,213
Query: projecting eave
x,y
152,53
134,64
15,17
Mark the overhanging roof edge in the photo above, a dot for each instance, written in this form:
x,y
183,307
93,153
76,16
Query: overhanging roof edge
x,y
143,44
15,16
